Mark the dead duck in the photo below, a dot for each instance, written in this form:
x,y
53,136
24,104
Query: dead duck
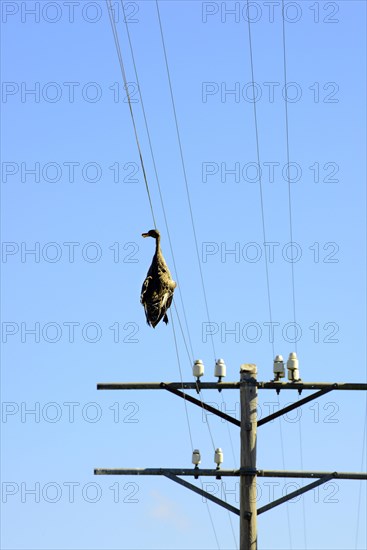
x,y
158,287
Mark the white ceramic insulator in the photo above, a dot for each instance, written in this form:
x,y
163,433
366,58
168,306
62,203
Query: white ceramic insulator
x,y
218,456
220,368
198,368
292,362
196,458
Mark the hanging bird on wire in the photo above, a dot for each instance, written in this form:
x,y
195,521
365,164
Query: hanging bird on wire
x,y
158,287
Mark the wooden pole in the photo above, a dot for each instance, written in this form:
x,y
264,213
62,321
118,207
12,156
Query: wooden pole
x,y
248,516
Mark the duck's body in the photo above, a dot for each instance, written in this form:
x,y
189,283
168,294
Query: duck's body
x,y
158,287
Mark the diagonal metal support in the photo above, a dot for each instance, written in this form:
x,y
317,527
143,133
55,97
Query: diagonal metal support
x,y
202,405
296,493
203,493
293,406
232,420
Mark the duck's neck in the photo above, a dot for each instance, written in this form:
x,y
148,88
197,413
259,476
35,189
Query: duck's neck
x,y
157,244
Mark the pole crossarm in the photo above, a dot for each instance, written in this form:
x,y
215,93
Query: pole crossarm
x,y
193,472
167,385
304,474
312,386
296,493
203,493
202,405
293,406
230,385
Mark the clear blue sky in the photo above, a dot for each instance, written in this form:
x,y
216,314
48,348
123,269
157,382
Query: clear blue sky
x,y
82,211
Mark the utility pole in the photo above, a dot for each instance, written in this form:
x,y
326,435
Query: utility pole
x,y
248,401
248,471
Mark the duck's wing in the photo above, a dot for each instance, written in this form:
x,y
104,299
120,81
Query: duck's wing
x,y
155,309
167,298
154,296
157,302
149,301
146,285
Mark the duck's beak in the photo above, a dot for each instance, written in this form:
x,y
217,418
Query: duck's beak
x,y
145,235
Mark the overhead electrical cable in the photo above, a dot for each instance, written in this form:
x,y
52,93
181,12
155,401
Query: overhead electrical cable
x,y
156,175
288,171
189,200
189,428
260,176
291,240
151,205
118,49
182,384
184,172
192,220
264,238
211,519
186,182
166,223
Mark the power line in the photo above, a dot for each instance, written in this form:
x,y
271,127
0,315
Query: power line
x,y
291,240
200,392
156,173
189,428
157,178
113,25
114,30
179,368
283,464
211,521
303,500
260,177
192,218
191,358
264,238
118,49
193,228
230,438
185,179
184,173
288,156
229,516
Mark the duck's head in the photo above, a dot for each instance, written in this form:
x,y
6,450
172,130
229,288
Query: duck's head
x,y
152,233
